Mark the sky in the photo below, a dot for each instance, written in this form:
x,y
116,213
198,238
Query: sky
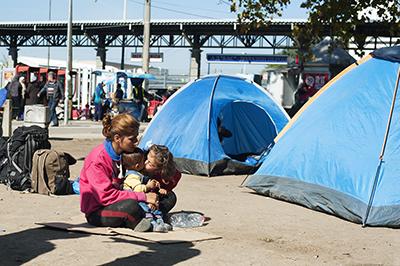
x,y
38,10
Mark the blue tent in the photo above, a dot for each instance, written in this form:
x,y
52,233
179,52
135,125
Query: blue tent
x,y
341,153
188,124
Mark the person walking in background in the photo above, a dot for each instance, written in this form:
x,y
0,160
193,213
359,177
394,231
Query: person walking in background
x,y
54,93
98,97
301,96
15,91
139,95
42,81
31,94
119,93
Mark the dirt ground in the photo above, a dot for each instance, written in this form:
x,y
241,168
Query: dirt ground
x,y
255,230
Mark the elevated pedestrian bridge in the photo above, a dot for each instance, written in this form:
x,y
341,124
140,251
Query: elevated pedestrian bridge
x,y
192,34
168,33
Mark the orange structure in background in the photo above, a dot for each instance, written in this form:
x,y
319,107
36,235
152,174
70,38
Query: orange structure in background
x,y
40,72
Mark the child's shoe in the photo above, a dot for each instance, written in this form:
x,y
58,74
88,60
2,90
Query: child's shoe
x,y
159,226
168,227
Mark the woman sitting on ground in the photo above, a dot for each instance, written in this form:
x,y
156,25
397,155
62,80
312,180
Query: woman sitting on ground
x,y
102,200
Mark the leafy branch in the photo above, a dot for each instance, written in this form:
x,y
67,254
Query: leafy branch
x,y
339,19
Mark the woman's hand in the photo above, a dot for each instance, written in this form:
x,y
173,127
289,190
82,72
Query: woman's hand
x,y
152,207
152,198
152,185
162,191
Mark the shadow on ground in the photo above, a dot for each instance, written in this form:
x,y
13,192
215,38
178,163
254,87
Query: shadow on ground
x,y
157,254
23,247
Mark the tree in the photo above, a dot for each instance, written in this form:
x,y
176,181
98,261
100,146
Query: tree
x,y
342,18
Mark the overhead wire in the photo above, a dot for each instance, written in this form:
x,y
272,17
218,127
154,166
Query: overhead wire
x,y
197,8
174,10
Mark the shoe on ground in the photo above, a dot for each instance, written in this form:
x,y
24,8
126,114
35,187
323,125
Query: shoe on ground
x,y
160,226
168,227
143,226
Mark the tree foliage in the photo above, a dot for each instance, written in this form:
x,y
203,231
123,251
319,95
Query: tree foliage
x,y
340,17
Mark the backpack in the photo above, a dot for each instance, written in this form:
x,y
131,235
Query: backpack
x,y
20,149
50,172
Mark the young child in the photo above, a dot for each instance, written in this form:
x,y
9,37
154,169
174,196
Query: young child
x,y
160,166
135,181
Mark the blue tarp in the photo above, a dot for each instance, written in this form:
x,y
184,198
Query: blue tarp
x,y
3,96
187,124
328,158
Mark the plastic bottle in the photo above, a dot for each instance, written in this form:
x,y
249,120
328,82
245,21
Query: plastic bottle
x,y
186,219
75,186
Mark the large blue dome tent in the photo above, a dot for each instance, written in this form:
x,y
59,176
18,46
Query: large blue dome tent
x,y
188,125
340,154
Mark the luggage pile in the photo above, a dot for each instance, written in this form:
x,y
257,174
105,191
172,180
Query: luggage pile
x,y
27,163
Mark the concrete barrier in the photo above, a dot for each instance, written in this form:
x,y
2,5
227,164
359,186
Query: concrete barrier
x,y
36,115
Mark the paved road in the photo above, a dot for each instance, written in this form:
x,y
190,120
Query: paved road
x,y
76,129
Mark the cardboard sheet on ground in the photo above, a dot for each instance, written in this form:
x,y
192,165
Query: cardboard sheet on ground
x,y
79,224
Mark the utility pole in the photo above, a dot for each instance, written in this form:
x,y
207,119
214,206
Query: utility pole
x,y
68,88
48,48
124,15
146,41
125,10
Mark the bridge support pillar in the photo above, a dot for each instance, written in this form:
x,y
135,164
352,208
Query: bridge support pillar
x,y
12,56
101,57
195,59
